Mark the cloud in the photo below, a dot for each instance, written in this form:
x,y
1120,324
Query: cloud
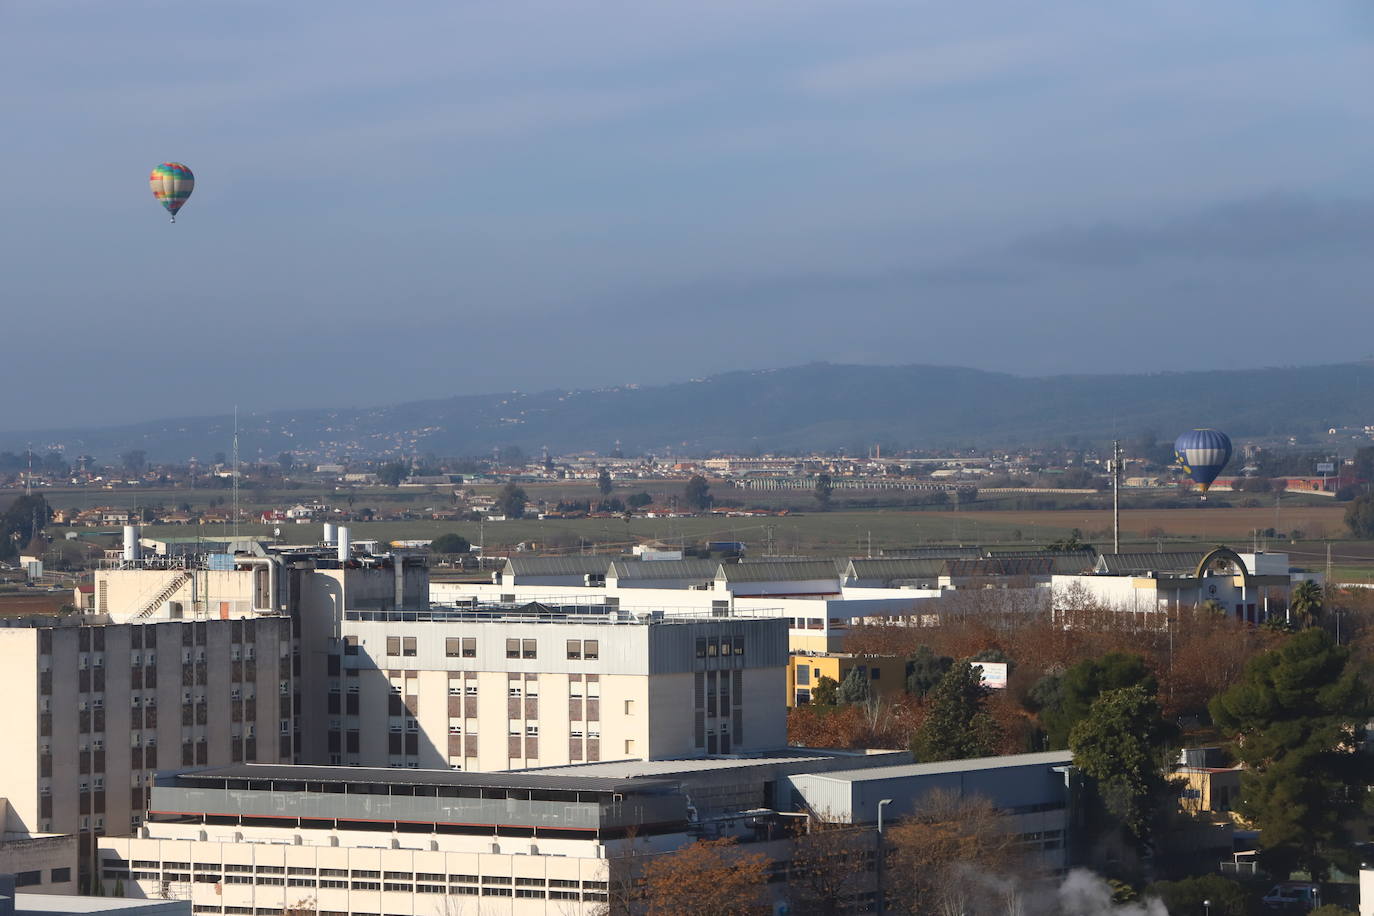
x,y
926,67
1276,226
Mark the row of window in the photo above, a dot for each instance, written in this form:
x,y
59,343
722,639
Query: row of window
x,y
715,646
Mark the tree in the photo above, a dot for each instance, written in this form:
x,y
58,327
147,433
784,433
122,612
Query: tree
x,y
957,725
1359,515
949,838
829,868
1226,897
392,473
603,482
638,500
1298,717
1085,682
450,543
22,523
511,499
1115,747
287,462
708,878
824,489
697,494
1306,603
134,461
826,691
855,687
924,670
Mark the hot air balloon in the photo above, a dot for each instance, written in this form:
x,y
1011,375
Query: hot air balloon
x,y
172,183
1203,453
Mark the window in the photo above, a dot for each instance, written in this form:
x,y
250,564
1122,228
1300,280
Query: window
x,y
575,689
470,688
531,688
455,688
532,731
455,726
593,690
629,707
629,745
350,645
469,647
529,648
515,690
712,647
804,674
408,647
512,648
591,649
575,649
701,647
739,645
27,878
393,645
875,673
453,647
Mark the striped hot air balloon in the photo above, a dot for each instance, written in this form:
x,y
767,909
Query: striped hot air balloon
x,y
1203,453
172,184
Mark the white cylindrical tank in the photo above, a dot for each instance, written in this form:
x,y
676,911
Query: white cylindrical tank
x,y
131,545
344,546
329,532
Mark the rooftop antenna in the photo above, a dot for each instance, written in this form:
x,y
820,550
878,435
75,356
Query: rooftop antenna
x,y
1116,496
236,472
28,481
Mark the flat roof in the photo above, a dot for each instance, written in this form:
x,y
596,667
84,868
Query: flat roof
x,y
943,767
396,776
70,903
636,769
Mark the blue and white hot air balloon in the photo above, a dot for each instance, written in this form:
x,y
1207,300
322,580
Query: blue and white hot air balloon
x,y
1203,453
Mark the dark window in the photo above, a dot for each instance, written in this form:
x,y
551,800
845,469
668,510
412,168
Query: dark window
x,y
739,645
393,645
575,649
61,875
469,647
408,646
512,648
876,672
27,878
350,645
529,648
453,647
591,649
701,647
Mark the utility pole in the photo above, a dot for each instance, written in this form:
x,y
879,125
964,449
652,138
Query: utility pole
x,y
1116,496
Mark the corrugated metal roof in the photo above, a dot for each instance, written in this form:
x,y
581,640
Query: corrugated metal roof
x,y
664,569
396,776
934,553
779,571
888,568
1001,566
1128,564
558,566
902,771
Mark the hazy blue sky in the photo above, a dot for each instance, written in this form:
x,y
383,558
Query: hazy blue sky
x,y
418,199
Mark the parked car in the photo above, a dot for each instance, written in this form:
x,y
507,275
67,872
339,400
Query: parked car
x,y
1292,897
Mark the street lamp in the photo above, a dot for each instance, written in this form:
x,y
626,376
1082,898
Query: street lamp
x,y
1207,907
882,891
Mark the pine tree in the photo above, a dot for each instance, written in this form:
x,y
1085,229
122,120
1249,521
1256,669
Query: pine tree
x,y
1114,745
1298,717
855,687
957,726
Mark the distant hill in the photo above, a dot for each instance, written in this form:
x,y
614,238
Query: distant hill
x,y
819,406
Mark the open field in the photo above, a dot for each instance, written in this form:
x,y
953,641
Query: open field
x,y
852,532
24,603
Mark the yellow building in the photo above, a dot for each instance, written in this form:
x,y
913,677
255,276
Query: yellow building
x,y
886,673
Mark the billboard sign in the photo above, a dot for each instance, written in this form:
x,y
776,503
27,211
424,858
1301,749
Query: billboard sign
x,y
1326,467
994,674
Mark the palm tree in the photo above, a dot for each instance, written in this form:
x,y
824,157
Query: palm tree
x,y
1306,603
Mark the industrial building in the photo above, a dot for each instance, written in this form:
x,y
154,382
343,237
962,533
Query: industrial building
x,y
352,841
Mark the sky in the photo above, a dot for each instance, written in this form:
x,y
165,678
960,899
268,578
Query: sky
x,y
422,199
